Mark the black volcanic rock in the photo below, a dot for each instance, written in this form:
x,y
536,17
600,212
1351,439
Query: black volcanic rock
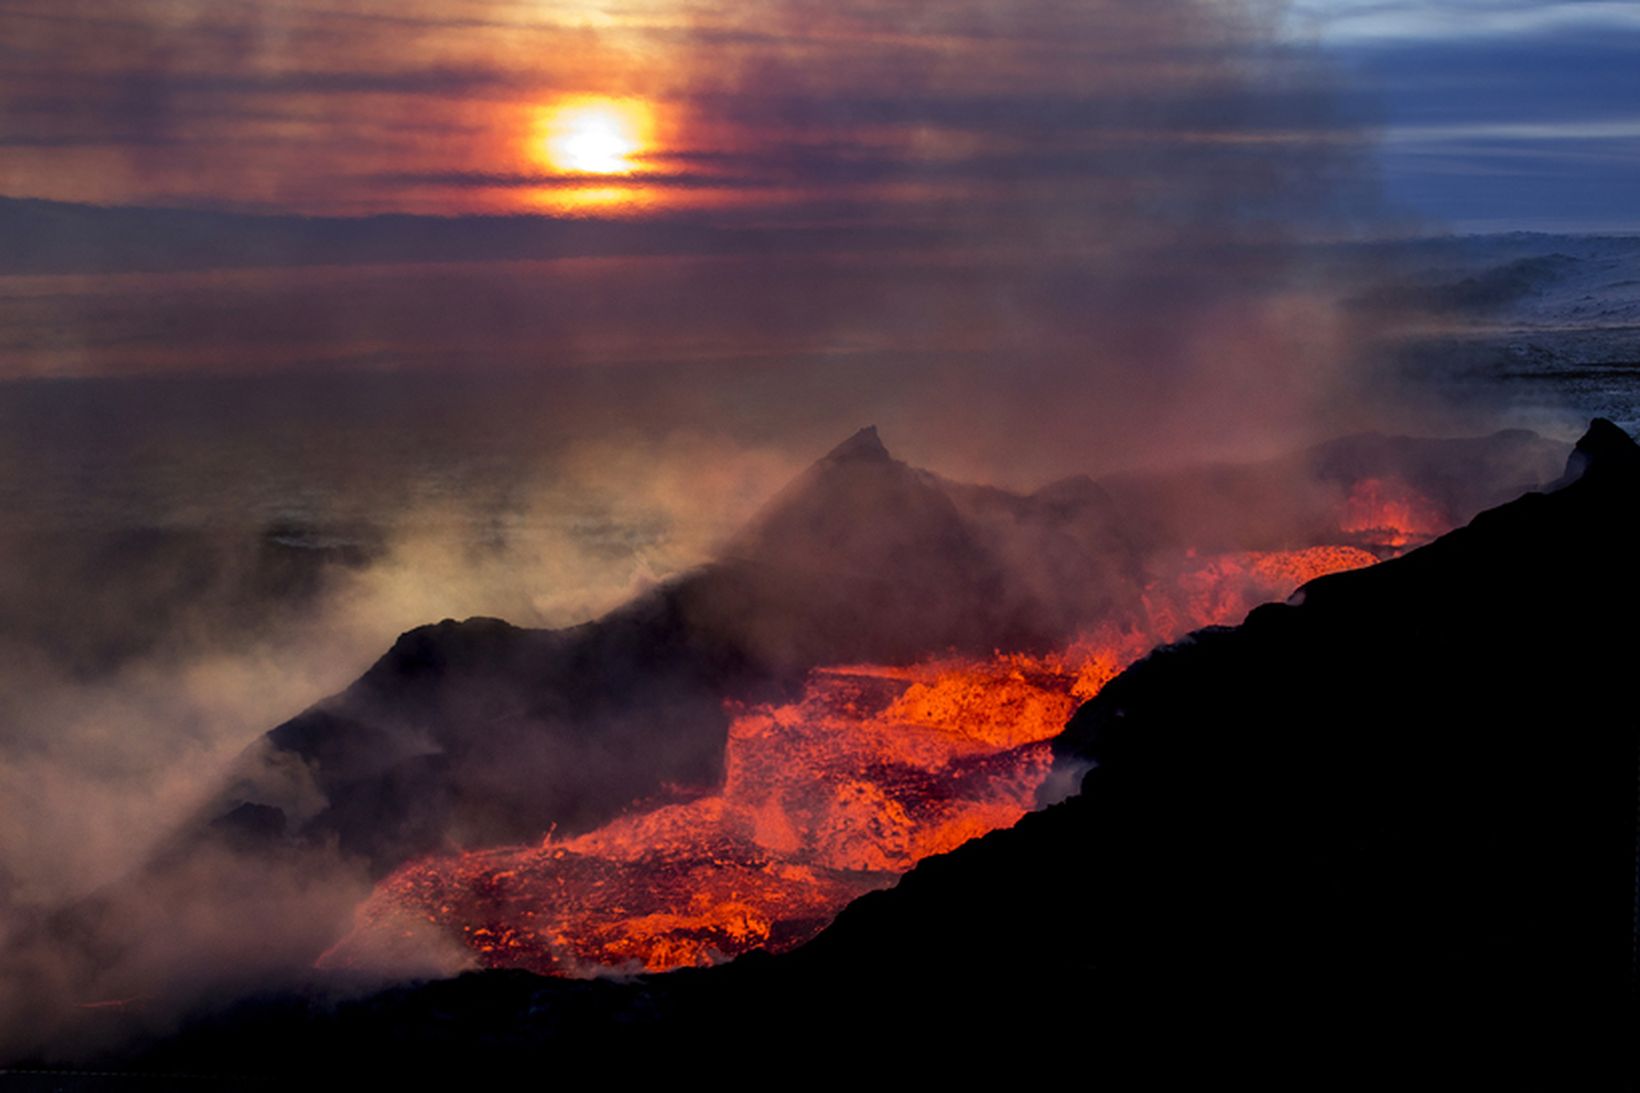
x,y
1605,450
479,732
921,565
854,510
1384,833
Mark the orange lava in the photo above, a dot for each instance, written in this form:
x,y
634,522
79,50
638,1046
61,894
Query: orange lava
x,y
871,770
1388,512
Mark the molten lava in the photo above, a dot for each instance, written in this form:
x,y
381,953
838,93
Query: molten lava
x,y
1388,512
871,770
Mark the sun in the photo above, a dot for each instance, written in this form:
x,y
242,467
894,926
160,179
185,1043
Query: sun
x,y
594,136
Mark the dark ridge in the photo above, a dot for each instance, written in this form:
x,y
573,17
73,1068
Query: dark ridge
x,y
865,444
1604,450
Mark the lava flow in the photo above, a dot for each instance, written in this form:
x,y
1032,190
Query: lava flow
x,y
871,770
1391,513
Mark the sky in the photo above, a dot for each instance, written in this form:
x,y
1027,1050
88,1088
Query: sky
x,y
447,106
707,180
520,182
1496,115
1492,114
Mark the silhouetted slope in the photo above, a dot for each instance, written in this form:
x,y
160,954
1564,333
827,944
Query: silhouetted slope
x,y
1384,832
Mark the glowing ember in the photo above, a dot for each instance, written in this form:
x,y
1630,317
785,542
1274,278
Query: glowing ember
x,y
873,769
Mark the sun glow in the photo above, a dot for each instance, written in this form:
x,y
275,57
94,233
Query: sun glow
x,y
595,136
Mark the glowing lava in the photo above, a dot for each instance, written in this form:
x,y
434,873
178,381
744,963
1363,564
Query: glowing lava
x,y
1391,513
871,770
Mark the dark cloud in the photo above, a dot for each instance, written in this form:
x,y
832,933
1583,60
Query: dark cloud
x,y
1556,185
1551,76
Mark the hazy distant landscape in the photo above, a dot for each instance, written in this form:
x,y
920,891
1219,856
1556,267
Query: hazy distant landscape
x,y
1535,328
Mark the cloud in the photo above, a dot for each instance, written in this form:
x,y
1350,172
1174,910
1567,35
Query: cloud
x,y
1347,21
1535,129
275,106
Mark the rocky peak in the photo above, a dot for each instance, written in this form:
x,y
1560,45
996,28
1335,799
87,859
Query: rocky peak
x,y
864,445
